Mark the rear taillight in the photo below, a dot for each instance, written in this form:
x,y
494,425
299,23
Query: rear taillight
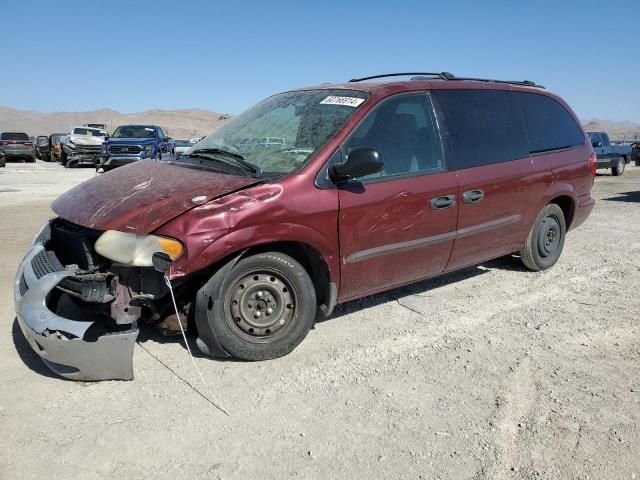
x,y
4,142
593,164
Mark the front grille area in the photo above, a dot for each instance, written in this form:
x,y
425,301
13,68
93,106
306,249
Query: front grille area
x,y
23,286
126,149
45,262
88,148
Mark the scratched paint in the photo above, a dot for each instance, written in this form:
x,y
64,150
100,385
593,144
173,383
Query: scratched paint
x,y
142,196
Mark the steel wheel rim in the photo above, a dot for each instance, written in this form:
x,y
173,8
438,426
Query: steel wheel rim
x,y
549,236
620,166
260,304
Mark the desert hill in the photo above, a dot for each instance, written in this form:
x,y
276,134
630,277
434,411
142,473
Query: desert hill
x,y
187,123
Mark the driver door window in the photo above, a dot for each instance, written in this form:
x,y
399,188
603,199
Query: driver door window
x,y
403,130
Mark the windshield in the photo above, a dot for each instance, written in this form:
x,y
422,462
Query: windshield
x,y
90,132
282,132
134,131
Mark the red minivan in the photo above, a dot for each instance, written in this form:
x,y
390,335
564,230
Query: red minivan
x,y
373,184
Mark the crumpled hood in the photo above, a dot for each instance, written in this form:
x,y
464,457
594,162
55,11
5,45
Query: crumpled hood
x,y
140,197
86,139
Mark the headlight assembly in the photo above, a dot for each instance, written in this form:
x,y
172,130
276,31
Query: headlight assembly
x,y
135,250
148,150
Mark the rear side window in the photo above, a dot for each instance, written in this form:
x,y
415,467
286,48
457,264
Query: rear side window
x,y
15,136
549,125
483,126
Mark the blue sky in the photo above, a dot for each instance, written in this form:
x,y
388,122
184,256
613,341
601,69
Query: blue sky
x,y
225,56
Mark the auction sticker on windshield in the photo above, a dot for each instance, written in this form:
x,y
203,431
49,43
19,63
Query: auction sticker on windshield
x,y
348,101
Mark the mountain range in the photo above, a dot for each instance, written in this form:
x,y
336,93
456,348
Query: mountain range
x,y
195,122
186,123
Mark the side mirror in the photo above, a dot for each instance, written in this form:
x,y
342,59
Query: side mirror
x,y
596,144
166,139
360,162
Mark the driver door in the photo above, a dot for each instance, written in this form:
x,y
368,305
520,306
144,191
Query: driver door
x,y
399,225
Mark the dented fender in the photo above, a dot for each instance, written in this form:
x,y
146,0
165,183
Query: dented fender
x,y
254,217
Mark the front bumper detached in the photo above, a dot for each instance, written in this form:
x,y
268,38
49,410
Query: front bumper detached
x,y
68,347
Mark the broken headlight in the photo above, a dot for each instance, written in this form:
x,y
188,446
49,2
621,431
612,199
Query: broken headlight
x,y
135,250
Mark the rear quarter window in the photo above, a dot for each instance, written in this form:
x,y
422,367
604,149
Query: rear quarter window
x,y
549,125
483,126
15,136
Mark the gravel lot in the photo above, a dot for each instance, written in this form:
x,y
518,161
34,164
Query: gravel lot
x,y
492,372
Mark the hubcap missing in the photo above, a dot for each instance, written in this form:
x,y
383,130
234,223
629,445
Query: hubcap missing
x,y
261,303
549,237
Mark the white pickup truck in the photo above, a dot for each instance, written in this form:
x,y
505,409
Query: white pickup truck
x,y
83,145
615,157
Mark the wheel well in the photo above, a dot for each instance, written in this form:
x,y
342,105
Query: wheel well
x,y
567,206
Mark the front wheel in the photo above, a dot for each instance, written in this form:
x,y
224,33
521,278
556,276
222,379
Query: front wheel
x,y
264,308
545,240
619,168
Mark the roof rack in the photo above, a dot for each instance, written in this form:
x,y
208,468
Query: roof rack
x,y
448,77
442,75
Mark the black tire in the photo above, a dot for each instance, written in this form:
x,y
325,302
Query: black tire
x,y
3,163
619,168
545,241
637,163
255,288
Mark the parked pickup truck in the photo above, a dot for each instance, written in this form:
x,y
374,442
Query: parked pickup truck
x,y
83,145
130,143
615,157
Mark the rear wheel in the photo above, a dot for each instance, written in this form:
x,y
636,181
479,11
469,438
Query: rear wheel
x,y
265,307
619,168
545,240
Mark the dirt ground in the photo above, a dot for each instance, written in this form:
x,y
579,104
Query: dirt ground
x,y
492,372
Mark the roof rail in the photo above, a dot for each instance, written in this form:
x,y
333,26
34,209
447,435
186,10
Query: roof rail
x,y
525,83
442,75
447,76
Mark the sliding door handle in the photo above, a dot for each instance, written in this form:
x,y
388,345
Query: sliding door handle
x,y
445,201
472,196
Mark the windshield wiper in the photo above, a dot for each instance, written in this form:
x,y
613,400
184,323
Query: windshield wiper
x,y
239,159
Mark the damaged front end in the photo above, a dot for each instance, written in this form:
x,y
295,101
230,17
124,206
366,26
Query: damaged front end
x,y
78,310
82,154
